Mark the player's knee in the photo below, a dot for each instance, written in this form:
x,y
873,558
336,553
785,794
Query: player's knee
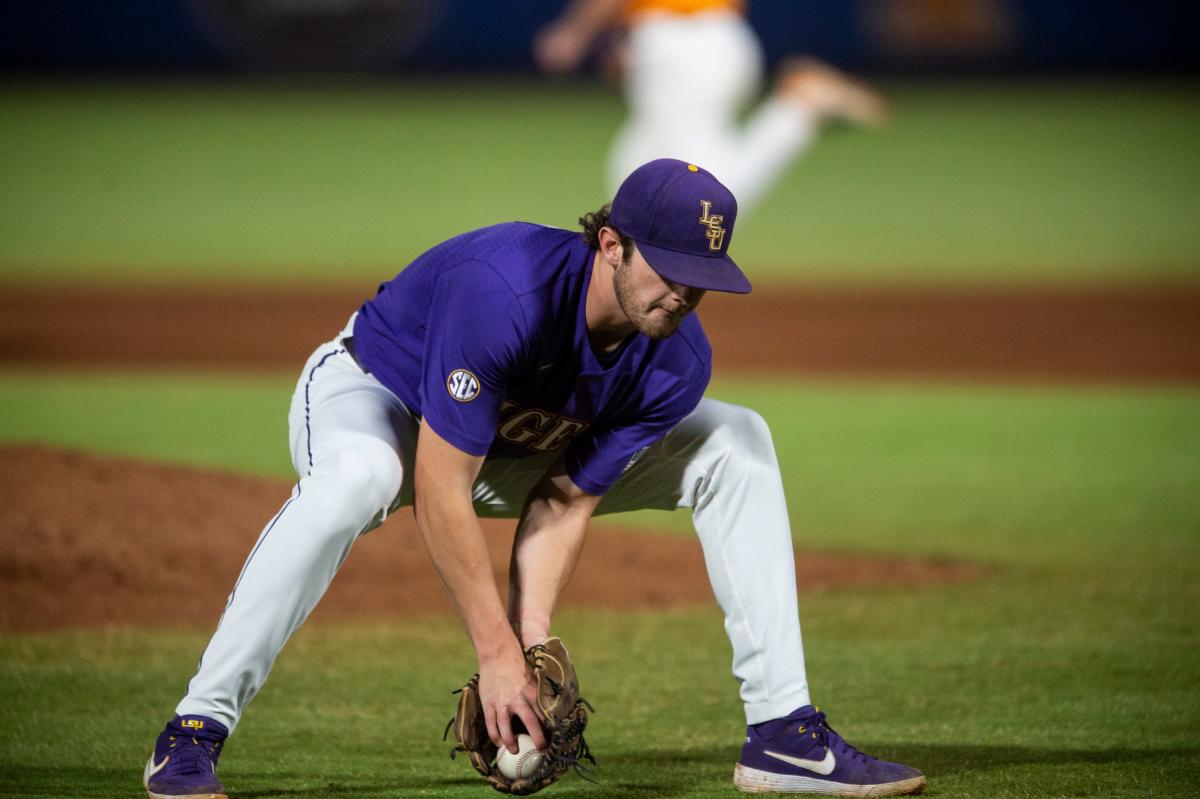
x,y
368,475
748,435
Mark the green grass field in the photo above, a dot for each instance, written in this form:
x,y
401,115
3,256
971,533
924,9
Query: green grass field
x,y
1070,670
1031,181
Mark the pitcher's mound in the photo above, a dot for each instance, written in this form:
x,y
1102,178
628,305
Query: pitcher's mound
x,y
92,540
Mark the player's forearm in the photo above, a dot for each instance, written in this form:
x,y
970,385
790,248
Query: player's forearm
x,y
563,44
589,17
546,550
442,480
456,545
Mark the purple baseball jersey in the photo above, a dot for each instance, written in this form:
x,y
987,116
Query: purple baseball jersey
x,y
484,336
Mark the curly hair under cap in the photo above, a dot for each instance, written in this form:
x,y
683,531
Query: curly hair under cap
x,y
593,221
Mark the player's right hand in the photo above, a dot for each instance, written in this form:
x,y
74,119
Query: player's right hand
x,y
558,48
507,689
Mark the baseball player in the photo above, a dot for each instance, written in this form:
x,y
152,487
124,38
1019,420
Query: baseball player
x,y
525,371
689,68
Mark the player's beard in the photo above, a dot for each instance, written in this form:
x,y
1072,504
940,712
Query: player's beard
x,y
649,318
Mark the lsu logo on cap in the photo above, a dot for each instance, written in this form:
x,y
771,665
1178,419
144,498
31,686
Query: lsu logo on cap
x,y
715,233
462,385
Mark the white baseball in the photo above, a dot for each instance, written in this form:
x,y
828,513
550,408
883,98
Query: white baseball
x,y
524,763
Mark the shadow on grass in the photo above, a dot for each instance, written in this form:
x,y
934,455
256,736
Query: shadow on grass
x,y
652,772
355,788
83,783
943,760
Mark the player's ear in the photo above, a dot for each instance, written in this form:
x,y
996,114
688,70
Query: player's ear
x,y
610,246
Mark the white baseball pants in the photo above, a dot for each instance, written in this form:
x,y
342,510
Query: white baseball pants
x,y
687,79
353,443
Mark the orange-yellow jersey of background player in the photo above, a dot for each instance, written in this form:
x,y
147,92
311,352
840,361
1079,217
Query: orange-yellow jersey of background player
x,y
635,7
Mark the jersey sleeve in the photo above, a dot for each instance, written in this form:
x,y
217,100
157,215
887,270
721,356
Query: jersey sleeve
x,y
598,458
474,339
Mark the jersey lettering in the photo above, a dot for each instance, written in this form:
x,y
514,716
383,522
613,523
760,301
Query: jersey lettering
x,y
536,429
564,431
523,427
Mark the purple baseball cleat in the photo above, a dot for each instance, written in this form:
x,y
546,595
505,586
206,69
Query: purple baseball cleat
x,y
802,754
184,762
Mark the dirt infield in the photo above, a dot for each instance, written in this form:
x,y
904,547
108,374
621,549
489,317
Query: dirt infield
x,y
1118,335
137,535
151,544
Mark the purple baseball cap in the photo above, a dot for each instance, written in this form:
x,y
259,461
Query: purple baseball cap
x,y
682,220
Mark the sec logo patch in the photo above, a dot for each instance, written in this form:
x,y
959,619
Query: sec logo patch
x,y
462,385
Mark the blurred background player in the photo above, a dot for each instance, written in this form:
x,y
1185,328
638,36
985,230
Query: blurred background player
x,y
688,69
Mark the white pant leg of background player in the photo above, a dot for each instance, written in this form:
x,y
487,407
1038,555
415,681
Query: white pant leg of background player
x,y
346,431
721,463
687,79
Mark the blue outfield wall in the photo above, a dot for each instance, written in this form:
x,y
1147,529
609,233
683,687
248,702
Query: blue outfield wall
x,y
383,35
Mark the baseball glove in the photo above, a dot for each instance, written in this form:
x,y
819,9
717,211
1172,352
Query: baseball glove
x,y
564,714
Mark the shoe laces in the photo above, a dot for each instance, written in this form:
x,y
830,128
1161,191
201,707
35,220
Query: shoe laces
x,y
827,737
192,755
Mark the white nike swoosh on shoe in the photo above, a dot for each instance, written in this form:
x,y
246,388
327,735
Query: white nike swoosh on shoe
x,y
153,768
825,766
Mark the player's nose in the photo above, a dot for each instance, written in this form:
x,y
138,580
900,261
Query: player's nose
x,y
686,296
